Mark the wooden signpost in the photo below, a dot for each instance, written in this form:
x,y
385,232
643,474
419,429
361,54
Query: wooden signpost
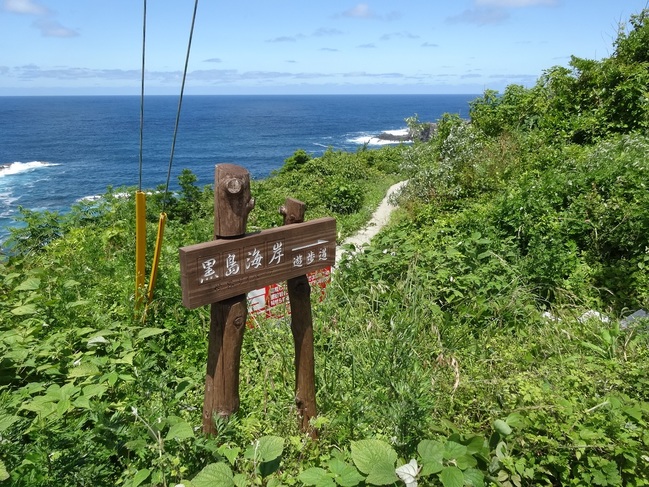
x,y
222,271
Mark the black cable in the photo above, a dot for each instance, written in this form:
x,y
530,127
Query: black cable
x,y
142,93
180,102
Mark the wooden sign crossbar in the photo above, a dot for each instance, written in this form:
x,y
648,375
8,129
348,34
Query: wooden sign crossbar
x,y
221,269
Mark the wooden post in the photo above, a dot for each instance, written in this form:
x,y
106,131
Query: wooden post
x,y
299,293
232,204
222,271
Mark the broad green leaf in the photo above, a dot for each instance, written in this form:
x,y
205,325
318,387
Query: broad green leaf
x,y
10,277
30,284
6,421
231,454
4,475
634,412
94,341
465,461
25,309
82,402
452,477
76,304
126,359
267,468
240,480
501,450
345,474
269,448
214,474
149,332
454,450
140,476
135,444
62,406
180,431
478,445
111,378
182,388
382,474
40,405
83,370
473,477
86,330
366,454
588,434
94,390
594,348
317,477
432,454
430,451
376,459
516,420
501,427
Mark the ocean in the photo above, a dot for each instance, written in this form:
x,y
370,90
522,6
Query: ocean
x,y
55,151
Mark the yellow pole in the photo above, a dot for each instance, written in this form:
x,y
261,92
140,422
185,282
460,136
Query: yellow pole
x,y
140,244
156,255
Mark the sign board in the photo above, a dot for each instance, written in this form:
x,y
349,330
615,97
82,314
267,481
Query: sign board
x,y
224,268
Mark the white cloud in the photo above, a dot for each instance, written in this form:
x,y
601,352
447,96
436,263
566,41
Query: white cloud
x,y
323,32
283,39
360,11
24,7
44,17
363,11
514,3
52,28
398,35
480,16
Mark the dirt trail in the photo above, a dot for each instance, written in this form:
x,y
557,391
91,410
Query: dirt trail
x,y
379,219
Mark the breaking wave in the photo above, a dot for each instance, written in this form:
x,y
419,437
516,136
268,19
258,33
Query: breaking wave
x,y
22,167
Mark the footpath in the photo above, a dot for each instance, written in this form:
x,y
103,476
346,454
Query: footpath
x,y
380,218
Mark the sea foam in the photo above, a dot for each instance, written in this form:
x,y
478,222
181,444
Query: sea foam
x,y
377,140
20,167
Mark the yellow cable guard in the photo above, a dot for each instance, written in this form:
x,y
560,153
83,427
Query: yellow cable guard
x,y
140,244
156,255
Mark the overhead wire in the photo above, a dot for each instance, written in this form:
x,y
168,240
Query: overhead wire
x,y
142,96
140,197
163,215
180,102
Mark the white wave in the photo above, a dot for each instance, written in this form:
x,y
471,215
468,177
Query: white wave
x,y
398,132
366,139
94,197
371,140
6,202
20,167
97,197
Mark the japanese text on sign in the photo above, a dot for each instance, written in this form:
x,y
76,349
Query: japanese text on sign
x,y
221,269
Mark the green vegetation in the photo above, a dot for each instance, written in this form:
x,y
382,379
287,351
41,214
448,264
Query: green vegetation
x,y
460,339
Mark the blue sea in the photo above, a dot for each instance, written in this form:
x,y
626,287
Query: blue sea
x,y
55,151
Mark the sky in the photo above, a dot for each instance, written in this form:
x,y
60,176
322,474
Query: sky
x,y
94,47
